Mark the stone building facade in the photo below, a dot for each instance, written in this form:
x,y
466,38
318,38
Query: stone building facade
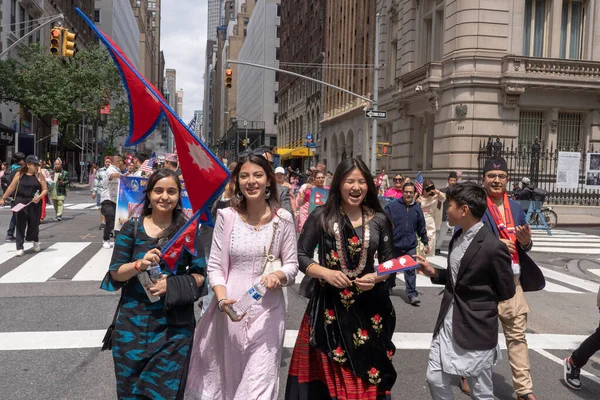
x,y
455,72
349,55
302,51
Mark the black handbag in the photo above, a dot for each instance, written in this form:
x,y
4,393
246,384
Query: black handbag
x,y
107,341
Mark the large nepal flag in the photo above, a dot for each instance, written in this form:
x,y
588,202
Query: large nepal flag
x,y
147,108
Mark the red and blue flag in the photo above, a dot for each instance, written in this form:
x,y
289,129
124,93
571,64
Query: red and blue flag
x,y
401,264
419,183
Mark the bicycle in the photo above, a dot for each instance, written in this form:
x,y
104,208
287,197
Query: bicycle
x,y
548,214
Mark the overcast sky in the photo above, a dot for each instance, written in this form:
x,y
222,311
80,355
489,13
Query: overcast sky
x,y
183,40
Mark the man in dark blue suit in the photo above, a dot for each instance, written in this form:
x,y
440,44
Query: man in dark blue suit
x,y
507,220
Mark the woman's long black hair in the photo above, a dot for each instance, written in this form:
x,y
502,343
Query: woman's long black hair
x,y
331,210
179,218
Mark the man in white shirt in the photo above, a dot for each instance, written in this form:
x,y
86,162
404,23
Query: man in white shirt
x,y
138,161
108,197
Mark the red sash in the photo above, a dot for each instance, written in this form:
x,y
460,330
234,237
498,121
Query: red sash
x,y
506,229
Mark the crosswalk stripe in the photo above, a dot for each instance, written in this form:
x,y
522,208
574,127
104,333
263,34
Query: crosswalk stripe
x,y
52,207
570,239
9,250
566,250
81,206
96,267
595,271
42,266
19,341
571,280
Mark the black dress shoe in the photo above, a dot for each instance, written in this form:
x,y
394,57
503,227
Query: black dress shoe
x,y
438,252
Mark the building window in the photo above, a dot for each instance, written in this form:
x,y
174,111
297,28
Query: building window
x,y
246,20
277,31
277,53
535,28
433,34
276,97
571,29
275,118
392,63
568,132
531,125
22,25
278,10
13,15
97,15
276,76
245,32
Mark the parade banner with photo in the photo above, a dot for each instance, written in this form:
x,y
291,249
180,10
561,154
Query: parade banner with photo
x,y
567,170
592,171
318,197
130,199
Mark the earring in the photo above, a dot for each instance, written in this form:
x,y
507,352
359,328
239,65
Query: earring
x,y
267,194
239,196
150,206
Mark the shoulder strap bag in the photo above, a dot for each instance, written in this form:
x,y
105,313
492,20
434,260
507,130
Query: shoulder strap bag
x,y
272,264
108,336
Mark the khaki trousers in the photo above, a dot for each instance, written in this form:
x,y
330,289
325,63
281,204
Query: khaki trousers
x,y
513,315
59,204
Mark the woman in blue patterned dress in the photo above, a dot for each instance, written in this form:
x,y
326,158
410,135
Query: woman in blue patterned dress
x,y
150,350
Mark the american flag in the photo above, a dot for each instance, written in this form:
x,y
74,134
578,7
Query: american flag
x,y
147,166
419,183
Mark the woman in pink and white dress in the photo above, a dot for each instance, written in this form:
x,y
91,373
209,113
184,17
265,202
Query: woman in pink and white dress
x,y
240,359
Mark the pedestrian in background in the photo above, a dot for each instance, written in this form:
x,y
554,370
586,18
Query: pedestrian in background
x,y
110,189
431,203
572,365
98,187
50,184
240,357
465,337
92,175
138,161
303,198
18,160
153,340
59,191
29,187
395,192
344,348
444,226
409,223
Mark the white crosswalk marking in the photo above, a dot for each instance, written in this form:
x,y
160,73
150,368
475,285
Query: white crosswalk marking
x,y
565,242
9,250
42,266
96,267
81,206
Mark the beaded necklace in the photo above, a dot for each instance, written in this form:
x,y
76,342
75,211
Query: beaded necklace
x,y
352,273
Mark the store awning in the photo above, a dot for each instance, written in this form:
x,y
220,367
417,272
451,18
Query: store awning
x,y
297,152
7,136
284,151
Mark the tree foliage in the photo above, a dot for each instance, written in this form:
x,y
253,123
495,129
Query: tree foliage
x,y
66,89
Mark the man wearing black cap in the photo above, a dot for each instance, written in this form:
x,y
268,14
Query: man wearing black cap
x,y
444,228
507,220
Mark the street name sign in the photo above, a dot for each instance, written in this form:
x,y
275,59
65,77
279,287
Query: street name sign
x,y
376,114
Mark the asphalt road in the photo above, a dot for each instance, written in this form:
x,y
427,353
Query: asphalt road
x,y
51,322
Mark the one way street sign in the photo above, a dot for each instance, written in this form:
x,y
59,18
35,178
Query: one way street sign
x,y
376,114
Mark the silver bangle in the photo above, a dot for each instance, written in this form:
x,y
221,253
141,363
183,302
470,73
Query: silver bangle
x,y
219,304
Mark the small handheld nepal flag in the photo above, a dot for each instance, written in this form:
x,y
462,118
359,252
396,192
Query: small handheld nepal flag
x,y
404,263
318,197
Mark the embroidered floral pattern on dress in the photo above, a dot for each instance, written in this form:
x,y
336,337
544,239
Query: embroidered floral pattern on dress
x,y
347,299
377,326
360,337
390,354
329,316
354,246
332,259
374,376
339,355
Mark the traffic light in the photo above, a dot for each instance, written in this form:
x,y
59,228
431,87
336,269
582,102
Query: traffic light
x,y
244,142
228,78
68,47
55,41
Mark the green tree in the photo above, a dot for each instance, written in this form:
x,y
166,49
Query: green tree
x,y
117,125
66,89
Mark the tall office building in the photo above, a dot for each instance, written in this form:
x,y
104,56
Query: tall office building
x,y
179,103
258,89
214,12
116,19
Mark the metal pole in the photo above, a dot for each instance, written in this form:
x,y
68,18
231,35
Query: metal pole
x,y
375,98
9,48
246,125
283,71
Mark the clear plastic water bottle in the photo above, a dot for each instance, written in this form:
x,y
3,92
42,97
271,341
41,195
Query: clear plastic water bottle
x,y
255,293
154,272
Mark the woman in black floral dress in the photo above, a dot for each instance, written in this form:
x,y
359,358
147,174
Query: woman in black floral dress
x,y
344,348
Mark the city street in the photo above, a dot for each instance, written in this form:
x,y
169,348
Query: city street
x,y
53,315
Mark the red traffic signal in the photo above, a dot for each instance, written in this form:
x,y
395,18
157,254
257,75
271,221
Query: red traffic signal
x,y
228,78
55,41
